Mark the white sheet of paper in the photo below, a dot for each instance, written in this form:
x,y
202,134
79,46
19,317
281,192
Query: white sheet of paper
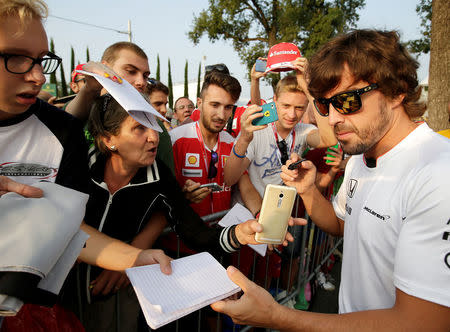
x,y
131,100
238,214
196,281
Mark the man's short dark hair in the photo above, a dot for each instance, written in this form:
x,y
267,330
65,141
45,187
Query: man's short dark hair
x,y
110,54
372,56
154,85
224,81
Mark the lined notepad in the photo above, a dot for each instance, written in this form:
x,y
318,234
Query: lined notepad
x,y
196,281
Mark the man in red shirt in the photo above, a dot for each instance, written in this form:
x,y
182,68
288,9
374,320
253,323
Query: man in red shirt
x,y
201,148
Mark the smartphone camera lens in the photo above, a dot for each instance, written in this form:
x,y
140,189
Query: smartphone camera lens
x,y
281,195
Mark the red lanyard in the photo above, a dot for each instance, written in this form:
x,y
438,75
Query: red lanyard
x,y
202,144
274,128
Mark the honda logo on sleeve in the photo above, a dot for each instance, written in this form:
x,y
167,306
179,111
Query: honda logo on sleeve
x,y
351,187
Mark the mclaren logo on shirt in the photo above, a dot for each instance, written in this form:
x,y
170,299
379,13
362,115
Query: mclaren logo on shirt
x,y
24,169
192,160
376,214
351,187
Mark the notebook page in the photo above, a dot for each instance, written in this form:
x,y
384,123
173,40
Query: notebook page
x,y
195,282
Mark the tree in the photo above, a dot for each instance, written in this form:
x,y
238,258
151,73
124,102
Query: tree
x,y
422,45
53,75
158,69
199,79
169,83
439,79
186,82
63,91
253,26
88,58
72,59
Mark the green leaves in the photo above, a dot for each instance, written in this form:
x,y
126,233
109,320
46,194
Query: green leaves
x,y
253,26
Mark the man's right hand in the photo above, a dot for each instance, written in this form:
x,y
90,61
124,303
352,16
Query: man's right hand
x,y
302,178
247,128
8,185
193,193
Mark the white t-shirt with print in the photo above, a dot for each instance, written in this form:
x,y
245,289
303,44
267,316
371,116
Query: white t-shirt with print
x,y
265,157
397,224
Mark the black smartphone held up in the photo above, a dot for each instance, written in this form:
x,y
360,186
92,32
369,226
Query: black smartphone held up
x,y
260,65
296,164
64,99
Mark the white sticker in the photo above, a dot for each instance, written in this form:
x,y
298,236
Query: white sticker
x,y
192,160
192,173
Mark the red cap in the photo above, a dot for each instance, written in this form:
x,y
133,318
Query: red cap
x,y
75,73
280,57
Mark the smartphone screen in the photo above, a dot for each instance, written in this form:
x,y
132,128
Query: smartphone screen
x,y
260,65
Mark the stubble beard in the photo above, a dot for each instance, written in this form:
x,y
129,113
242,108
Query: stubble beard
x,y
367,137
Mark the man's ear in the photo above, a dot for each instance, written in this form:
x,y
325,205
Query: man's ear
x,y
74,87
397,101
199,103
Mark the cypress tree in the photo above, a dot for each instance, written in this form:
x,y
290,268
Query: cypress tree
x,y
72,59
53,75
158,69
169,83
63,82
199,78
186,83
87,54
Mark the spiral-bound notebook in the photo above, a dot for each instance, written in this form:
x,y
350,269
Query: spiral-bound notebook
x,y
196,281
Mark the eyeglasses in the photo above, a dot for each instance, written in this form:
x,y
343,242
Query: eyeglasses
x,y
21,64
182,107
220,67
282,146
345,102
80,80
212,170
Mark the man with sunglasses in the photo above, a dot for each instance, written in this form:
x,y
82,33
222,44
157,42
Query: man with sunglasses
x,y
393,206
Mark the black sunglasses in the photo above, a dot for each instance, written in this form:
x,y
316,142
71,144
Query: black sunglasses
x,y
220,67
282,146
212,170
345,102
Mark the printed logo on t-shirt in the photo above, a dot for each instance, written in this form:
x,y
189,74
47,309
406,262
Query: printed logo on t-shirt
x,y
192,160
224,160
351,187
191,173
23,169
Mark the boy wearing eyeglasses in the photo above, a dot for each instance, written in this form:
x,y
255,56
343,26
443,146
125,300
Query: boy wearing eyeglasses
x,y
393,206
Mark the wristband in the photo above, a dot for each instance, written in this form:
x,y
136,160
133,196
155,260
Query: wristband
x,y
236,154
257,214
234,237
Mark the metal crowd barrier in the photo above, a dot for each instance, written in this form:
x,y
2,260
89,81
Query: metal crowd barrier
x,y
300,263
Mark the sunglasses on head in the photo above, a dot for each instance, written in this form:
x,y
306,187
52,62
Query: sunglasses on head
x,y
220,67
345,102
212,170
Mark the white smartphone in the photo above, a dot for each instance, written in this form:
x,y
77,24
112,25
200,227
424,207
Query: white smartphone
x,y
276,209
213,186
